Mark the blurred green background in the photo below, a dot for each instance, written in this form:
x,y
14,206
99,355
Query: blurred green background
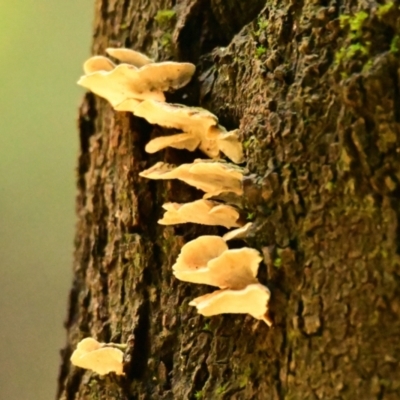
x,y
42,46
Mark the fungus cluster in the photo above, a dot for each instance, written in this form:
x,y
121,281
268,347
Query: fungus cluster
x,y
207,260
137,84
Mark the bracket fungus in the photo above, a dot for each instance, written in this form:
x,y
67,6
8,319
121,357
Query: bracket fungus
x,y
200,123
205,212
126,81
198,252
188,119
98,63
232,269
129,56
101,358
253,300
137,84
213,178
180,141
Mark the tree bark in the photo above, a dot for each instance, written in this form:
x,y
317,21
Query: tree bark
x,y
314,87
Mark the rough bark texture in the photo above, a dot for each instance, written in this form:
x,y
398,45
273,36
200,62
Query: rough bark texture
x,y
314,87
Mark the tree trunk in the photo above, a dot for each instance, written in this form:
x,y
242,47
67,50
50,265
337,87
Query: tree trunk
x,y
314,87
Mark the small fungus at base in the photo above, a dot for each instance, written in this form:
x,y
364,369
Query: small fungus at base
x,y
198,252
233,269
127,82
252,300
101,358
213,178
129,56
238,233
202,211
98,63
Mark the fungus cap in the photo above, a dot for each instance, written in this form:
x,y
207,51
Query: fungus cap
x,y
232,269
193,120
128,82
212,137
188,119
198,252
181,141
97,63
120,84
129,56
211,177
166,75
99,357
202,211
252,300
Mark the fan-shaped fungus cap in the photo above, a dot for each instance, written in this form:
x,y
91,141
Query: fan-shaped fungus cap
x,y
252,300
198,252
99,357
211,177
238,233
188,119
120,84
202,211
128,82
233,269
192,120
181,141
129,56
97,63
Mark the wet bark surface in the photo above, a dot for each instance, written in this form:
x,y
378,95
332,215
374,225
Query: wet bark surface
x,y
314,88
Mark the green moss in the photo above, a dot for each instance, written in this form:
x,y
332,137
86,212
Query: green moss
x,y
278,262
262,25
357,21
383,9
198,395
166,20
166,40
344,20
395,44
221,389
243,379
367,66
348,53
165,17
358,47
250,216
260,50
330,186
207,327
